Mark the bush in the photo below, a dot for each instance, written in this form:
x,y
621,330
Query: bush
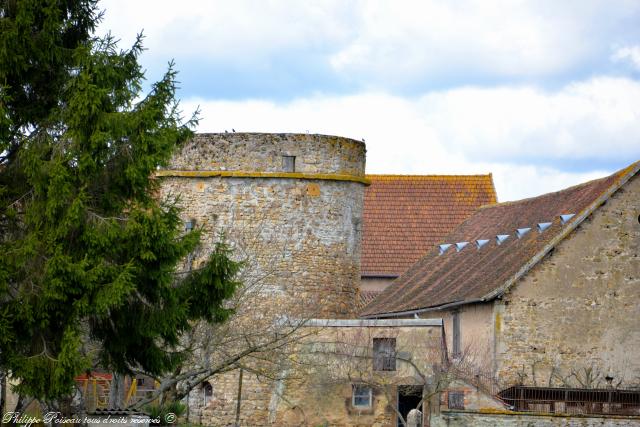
x,y
168,414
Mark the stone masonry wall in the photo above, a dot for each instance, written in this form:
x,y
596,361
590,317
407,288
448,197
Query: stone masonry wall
x,y
579,308
220,409
262,152
300,237
480,419
344,358
298,234
318,388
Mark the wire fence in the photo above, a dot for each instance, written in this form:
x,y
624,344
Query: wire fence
x,y
480,379
567,401
572,401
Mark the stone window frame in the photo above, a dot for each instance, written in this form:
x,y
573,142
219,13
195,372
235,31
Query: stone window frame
x,y
455,399
206,397
288,163
384,354
361,391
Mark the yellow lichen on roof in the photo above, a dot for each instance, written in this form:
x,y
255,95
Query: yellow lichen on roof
x,y
406,214
387,177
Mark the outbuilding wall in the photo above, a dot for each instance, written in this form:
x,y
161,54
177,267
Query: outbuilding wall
x,y
494,419
341,356
575,317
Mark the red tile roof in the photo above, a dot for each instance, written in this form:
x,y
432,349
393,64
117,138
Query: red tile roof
x,y
473,274
405,215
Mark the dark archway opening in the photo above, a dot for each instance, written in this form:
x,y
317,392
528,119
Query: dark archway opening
x,y
409,397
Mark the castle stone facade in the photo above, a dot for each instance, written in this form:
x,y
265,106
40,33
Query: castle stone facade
x,y
291,204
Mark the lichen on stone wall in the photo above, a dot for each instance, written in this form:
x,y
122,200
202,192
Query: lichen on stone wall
x,y
299,237
263,152
506,419
574,317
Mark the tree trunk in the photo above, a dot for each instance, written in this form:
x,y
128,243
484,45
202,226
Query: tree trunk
x,y
22,404
116,392
78,407
3,397
44,411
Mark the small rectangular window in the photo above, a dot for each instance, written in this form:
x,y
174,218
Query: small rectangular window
x,y
289,163
456,400
384,354
456,334
361,396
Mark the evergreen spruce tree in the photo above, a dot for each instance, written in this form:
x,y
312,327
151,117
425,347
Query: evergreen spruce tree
x,y
88,254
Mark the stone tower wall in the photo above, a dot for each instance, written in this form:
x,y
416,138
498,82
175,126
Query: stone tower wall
x,y
299,232
262,152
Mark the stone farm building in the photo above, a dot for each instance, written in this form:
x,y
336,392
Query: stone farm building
x,y
542,293
548,288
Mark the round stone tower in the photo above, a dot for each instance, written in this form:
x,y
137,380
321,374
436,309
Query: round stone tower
x,y
289,204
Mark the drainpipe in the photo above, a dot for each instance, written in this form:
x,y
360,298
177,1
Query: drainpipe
x,y
239,399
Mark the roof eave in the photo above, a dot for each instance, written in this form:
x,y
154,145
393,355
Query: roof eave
x,y
421,310
380,275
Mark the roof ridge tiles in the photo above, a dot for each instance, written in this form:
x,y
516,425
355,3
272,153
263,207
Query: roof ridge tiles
x,y
428,176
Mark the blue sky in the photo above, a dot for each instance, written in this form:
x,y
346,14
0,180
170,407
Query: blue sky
x,y
543,94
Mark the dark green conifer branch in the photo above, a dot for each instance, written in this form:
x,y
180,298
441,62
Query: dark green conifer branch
x,y
88,255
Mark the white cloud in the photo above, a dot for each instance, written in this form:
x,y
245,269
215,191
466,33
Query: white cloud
x,y
238,31
630,54
382,43
530,139
595,119
504,37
